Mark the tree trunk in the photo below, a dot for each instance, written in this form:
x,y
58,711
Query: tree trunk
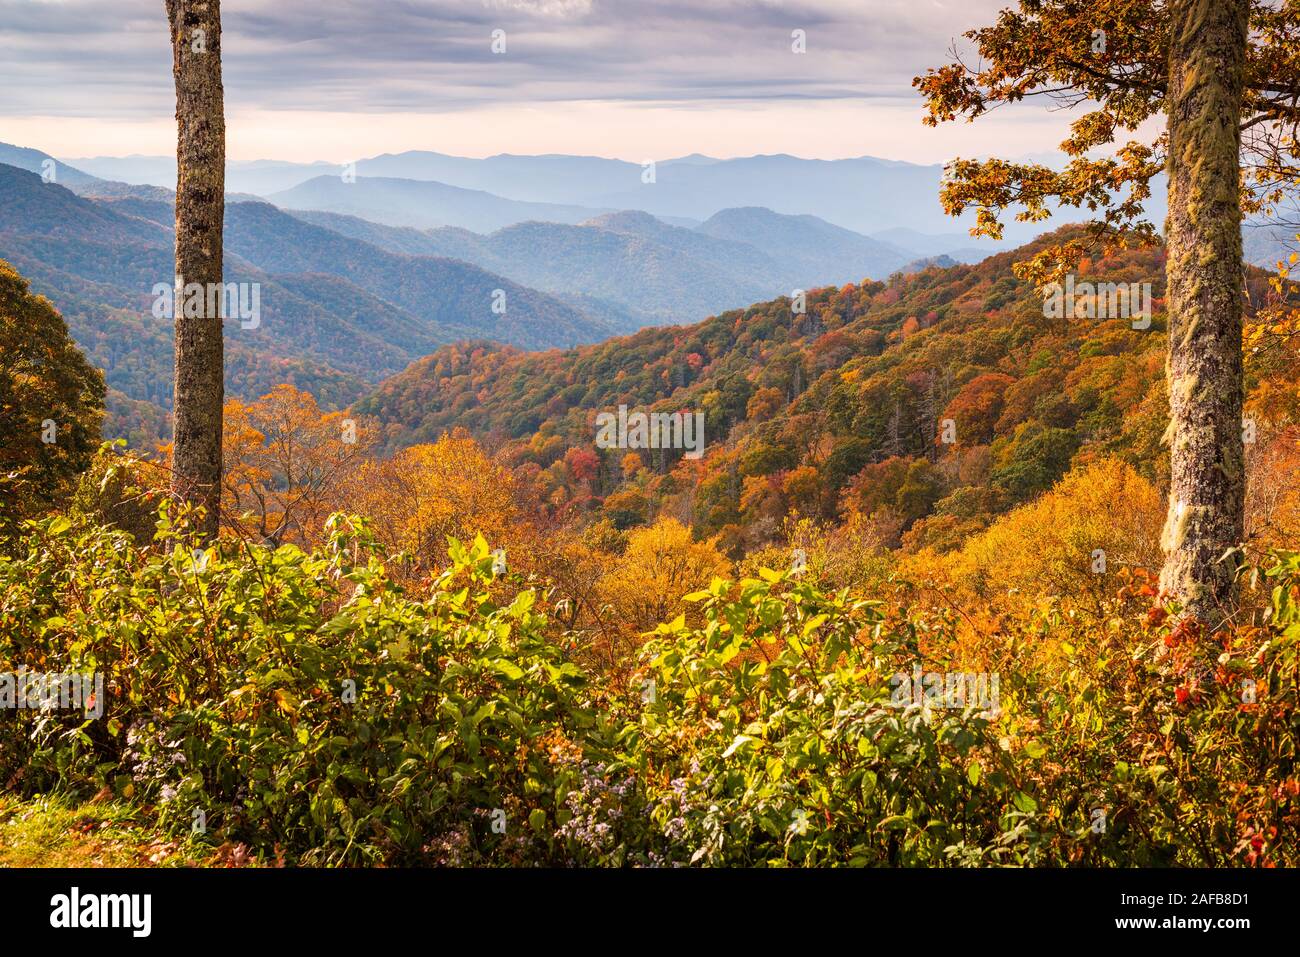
x,y
1204,271
200,210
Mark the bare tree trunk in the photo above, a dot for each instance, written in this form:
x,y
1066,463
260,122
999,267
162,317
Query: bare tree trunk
x,y
1207,488
200,210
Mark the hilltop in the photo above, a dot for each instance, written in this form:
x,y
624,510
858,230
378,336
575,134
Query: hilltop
x,y
821,413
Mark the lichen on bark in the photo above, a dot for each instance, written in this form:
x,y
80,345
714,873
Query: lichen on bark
x,y
1204,271
200,210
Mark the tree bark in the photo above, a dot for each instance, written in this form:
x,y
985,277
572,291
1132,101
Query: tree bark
x,y
200,211
1204,271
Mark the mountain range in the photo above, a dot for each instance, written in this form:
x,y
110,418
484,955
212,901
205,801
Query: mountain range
x,y
422,204
350,300
337,314
863,194
360,279
645,270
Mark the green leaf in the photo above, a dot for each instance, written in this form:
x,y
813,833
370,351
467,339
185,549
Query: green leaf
x,y
868,783
507,668
740,742
1025,803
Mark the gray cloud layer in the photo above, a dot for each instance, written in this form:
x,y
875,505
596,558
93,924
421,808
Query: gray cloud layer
x,y
110,58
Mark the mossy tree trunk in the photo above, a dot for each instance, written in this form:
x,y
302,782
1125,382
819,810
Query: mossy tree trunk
x,y
200,209
1207,489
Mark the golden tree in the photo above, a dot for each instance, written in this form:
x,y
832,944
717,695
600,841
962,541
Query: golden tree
x,y
427,493
661,564
289,464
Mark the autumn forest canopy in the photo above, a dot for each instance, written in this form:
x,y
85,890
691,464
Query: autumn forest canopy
x,y
405,520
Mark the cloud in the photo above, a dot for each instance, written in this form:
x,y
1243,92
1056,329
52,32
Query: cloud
x,y
544,8
630,78
88,57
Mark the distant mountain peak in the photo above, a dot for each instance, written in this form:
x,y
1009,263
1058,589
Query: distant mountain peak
x,y
941,261
34,161
761,214
623,217
694,159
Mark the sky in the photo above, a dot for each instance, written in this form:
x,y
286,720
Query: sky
x,y
337,80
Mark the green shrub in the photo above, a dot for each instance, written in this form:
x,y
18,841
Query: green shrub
x,y
774,730
770,735
230,693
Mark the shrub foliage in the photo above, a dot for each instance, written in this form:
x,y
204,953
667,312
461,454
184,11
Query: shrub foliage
x,y
308,705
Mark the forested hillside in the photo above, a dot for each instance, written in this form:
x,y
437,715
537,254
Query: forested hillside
x,y
337,314
837,409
